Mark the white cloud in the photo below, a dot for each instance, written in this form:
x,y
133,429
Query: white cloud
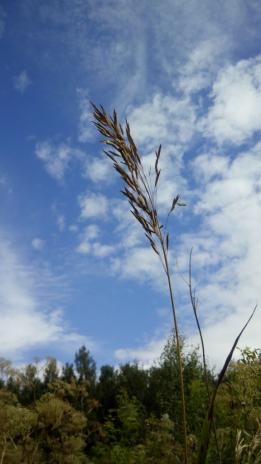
x,y
129,232
146,355
202,65
226,252
171,122
38,244
89,234
208,166
236,111
84,248
220,336
164,119
22,82
26,320
89,245
227,248
86,128
218,339
102,250
93,205
141,264
171,34
99,169
57,159
237,181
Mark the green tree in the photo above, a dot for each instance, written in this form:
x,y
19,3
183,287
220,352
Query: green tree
x,y
238,407
17,426
160,445
106,390
68,374
134,380
123,434
60,431
30,385
85,366
51,372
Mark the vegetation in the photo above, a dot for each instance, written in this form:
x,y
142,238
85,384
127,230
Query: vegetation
x,y
128,415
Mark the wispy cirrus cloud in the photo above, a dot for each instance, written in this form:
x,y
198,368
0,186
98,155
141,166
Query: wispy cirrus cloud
x,y
37,323
170,37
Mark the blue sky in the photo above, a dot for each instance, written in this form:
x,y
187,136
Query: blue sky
x,y
74,267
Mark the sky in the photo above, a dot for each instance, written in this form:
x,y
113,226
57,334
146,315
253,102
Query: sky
x,y
74,266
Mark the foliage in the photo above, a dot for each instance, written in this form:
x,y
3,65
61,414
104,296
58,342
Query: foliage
x,y
129,415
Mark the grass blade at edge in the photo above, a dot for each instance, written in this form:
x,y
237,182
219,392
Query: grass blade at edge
x,y
206,430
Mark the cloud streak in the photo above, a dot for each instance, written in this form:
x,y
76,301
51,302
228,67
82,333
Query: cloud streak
x,y
26,318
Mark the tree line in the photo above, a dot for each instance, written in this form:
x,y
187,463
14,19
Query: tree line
x,y
129,414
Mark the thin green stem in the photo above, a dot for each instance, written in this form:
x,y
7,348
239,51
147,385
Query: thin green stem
x,y
194,307
176,328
